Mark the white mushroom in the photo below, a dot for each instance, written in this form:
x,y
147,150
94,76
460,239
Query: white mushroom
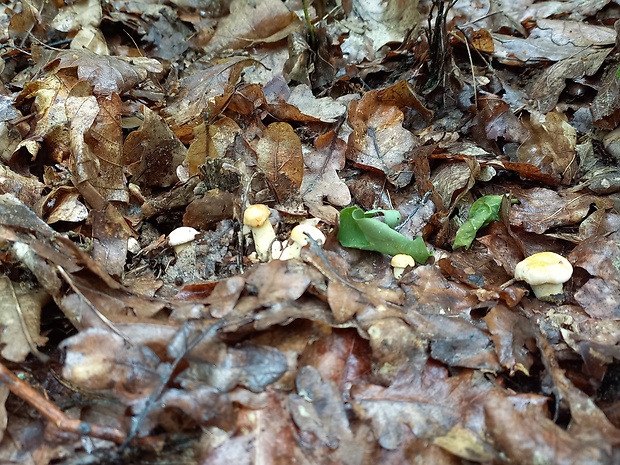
x,y
400,262
545,272
299,240
256,217
181,237
133,245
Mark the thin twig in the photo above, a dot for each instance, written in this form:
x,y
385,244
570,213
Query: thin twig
x,y
166,378
53,414
100,315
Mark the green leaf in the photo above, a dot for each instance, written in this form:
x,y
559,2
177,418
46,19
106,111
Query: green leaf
x,y
363,230
482,212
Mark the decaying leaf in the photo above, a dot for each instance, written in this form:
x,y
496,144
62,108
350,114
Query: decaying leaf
x,y
248,21
170,115
430,405
379,141
153,152
551,146
20,317
108,75
321,181
205,91
280,159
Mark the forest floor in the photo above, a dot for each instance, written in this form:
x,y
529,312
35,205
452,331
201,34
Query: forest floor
x,y
468,135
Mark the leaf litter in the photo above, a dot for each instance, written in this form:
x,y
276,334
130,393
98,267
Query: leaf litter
x,y
121,122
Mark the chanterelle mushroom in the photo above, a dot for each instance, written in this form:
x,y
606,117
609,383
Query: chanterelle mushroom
x,y
545,272
256,217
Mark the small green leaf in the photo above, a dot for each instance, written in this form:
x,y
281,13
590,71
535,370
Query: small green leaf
x,y
482,212
363,230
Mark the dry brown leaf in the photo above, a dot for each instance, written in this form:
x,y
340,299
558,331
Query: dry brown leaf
x,y
108,75
494,120
101,360
429,402
550,146
62,204
224,297
153,153
520,426
266,435
209,210
606,105
51,124
111,233
249,365
384,22
599,296
204,92
323,109
541,209
280,159
248,21
211,141
105,139
403,95
379,141
26,189
277,282
4,394
321,181
20,317
318,411
513,338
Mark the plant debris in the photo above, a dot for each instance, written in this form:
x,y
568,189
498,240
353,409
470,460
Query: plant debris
x,y
467,135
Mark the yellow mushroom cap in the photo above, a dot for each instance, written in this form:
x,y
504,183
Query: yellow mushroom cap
x,y
402,260
544,268
298,234
256,215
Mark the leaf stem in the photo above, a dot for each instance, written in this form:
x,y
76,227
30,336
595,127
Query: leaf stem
x,y
309,24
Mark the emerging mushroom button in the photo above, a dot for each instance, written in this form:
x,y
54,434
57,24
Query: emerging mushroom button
x,y
181,237
545,272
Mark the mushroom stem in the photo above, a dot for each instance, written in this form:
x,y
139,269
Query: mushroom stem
x,y
256,217
542,291
264,236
